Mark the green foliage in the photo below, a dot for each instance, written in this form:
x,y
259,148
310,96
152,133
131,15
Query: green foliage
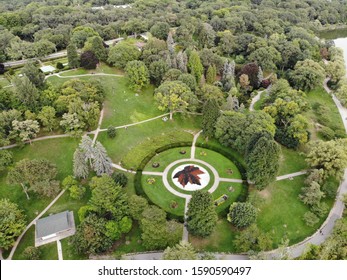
x,y
210,115
122,53
310,219
111,131
47,118
34,74
312,195
263,162
125,224
253,239
157,71
160,30
181,251
77,192
189,80
242,214
211,74
137,74
90,237
201,214
195,66
137,205
12,223
6,159
72,56
107,198
120,179
95,45
112,230
80,34
89,60
32,253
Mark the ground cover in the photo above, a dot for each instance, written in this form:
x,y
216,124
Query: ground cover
x,y
291,161
232,190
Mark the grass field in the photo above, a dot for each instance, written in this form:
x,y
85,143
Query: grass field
x,y
159,195
291,161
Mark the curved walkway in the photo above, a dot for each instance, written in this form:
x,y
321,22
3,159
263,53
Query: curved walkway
x,y
84,75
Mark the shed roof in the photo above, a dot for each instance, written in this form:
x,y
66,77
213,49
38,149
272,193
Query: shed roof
x,y
46,69
53,224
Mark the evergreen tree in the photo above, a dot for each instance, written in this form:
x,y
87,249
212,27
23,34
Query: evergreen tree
x,y
182,61
211,74
228,75
34,74
242,214
263,162
87,147
181,251
170,44
96,45
195,65
201,214
80,165
260,76
72,56
210,115
102,164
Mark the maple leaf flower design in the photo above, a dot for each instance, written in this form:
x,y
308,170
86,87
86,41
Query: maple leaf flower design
x,y
190,174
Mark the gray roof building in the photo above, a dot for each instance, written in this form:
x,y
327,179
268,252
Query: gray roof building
x,y
54,227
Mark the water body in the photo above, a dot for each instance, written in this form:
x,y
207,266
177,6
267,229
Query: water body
x,y
342,44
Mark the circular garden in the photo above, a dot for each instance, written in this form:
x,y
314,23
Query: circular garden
x,y
170,176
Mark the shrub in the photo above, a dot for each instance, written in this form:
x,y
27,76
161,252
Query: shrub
x,y
310,219
89,60
60,65
111,131
242,214
120,179
77,192
327,133
32,253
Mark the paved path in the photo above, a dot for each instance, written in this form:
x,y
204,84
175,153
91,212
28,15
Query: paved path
x,y
99,125
255,99
230,180
85,75
192,153
152,173
60,251
289,176
32,223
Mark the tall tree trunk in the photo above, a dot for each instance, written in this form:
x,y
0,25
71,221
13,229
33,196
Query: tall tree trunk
x,y
25,191
171,115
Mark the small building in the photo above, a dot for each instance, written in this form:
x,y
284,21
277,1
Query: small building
x,y
47,69
54,227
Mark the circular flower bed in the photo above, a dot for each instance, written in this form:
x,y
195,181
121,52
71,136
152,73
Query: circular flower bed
x,y
155,164
150,181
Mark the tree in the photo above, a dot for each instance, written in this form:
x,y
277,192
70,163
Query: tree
x,y
266,57
89,60
108,198
25,92
47,118
90,237
160,30
96,45
201,214
80,34
330,156
25,130
137,204
312,195
341,92
32,253
102,164
36,77
307,75
242,214
189,80
6,159
263,162
111,131
211,74
195,66
120,179
157,70
206,36
182,61
209,92
2,68
72,124
252,71
12,223
181,251
253,239
175,96
122,53
80,165
72,56
77,192
210,115
244,82
137,74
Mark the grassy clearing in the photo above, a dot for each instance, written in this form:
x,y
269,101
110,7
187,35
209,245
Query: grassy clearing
x,y
159,195
221,240
103,68
291,161
167,157
131,145
281,214
224,167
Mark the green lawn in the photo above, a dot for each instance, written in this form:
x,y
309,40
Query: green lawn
x,y
4,82
159,195
281,214
223,189
167,157
103,68
224,167
133,144
291,161
221,240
